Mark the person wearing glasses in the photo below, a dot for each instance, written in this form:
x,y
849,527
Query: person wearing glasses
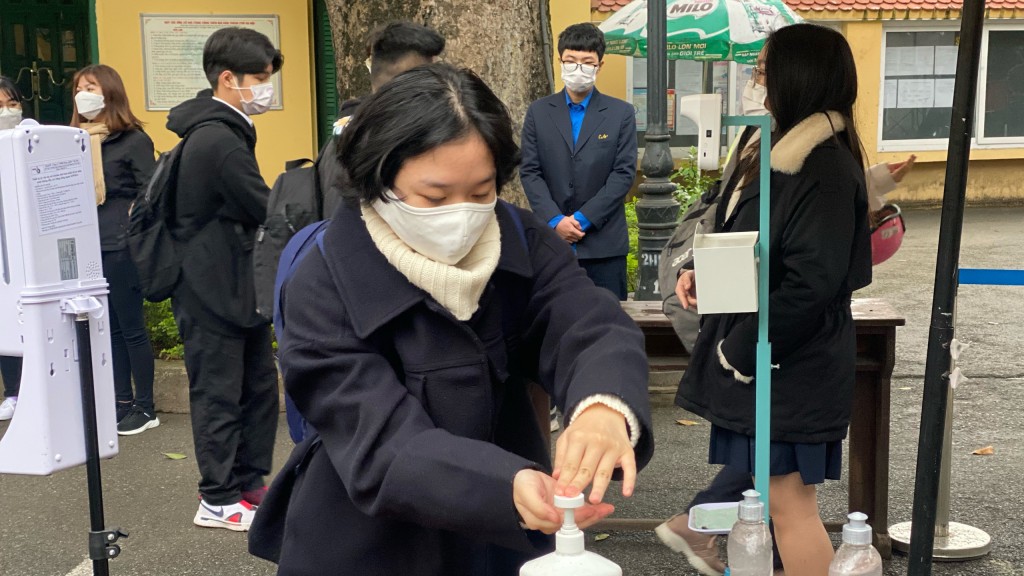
x,y
579,160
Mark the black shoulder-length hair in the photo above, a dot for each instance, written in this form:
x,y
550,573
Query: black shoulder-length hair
x,y
416,112
810,69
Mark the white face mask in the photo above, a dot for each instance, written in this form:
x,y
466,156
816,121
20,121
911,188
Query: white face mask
x,y
577,79
262,97
754,96
89,105
9,118
444,234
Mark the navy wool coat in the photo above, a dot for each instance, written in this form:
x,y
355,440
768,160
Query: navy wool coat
x,y
424,420
820,252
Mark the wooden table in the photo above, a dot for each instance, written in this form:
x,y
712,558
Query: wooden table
x,y
876,322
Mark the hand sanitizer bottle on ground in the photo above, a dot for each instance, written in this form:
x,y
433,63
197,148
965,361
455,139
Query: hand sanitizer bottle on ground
x,y
750,542
569,557
856,557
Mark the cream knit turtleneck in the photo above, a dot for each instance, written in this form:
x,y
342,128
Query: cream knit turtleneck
x,y
457,287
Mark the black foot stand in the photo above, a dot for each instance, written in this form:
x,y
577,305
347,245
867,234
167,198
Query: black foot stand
x,y
102,541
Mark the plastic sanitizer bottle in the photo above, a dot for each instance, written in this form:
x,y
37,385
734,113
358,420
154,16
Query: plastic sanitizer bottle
x,y
750,542
856,556
569,557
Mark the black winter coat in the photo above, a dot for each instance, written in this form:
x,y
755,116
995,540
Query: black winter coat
x,y
221,200
424,420
820,252
128,163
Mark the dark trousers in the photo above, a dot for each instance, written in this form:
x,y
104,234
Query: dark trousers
x,y
728,486
607,273
233,397
10,371
131,351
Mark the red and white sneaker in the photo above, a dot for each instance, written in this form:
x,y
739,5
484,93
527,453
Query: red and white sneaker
x,y
235,517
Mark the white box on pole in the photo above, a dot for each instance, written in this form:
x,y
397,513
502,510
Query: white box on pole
x,y
725,267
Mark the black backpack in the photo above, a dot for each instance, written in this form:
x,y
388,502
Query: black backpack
x,y
154,248
296,200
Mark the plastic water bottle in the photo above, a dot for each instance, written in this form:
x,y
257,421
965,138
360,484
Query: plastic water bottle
x,y
856,557
569,557
750,542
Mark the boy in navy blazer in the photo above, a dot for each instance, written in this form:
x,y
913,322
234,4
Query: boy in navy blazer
x,y
579,160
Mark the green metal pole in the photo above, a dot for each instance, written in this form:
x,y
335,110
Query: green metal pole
x,y
763,375
94,39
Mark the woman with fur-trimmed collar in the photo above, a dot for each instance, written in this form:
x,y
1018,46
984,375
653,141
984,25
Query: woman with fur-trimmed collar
x,y
821,253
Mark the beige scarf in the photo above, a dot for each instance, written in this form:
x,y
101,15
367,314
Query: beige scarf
x,y
458,287
98,132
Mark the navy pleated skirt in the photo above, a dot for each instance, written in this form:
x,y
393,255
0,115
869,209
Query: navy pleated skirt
x,y
814,462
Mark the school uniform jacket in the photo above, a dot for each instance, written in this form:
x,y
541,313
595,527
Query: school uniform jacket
x,y
819,252
424,420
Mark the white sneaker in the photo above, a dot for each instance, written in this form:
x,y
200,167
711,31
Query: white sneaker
x,y
7,408
235,517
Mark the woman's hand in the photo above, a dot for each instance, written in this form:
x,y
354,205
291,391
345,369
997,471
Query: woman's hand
x,y
533,493
900,169
686,289
590,449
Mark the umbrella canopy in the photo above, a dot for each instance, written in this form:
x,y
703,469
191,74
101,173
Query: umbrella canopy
x,y
701,29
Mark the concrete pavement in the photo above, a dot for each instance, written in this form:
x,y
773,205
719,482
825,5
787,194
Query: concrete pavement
x,y
44,521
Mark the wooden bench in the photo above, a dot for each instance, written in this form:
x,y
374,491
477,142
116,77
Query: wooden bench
x,y
876,322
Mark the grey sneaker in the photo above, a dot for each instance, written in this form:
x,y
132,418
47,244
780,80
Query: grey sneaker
x,y
701,550
137,422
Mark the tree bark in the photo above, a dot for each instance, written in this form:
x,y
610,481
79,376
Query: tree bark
x,y
503,41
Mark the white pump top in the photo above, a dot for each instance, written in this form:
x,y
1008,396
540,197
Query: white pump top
x,y
857,532
569,539
751,509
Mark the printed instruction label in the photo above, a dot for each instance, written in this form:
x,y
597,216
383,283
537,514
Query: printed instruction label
x,y
58,187
67,253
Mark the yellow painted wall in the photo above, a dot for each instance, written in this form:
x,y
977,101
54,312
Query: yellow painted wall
x,y
612,78
282,134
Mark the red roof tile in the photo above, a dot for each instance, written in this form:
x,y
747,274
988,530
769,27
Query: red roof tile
x,y
607,5
850,5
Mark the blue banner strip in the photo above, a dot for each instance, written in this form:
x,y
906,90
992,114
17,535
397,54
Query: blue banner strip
x,y
991,277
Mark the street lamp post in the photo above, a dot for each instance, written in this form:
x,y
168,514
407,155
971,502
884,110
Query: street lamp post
x,y
657,209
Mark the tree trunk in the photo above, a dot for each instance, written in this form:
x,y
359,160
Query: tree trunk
x,y
505,45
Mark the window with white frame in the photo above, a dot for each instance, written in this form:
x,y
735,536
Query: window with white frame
x,y
1002,85
918,76
917,85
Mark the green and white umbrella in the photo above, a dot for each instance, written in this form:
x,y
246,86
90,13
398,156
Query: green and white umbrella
x,y
701,29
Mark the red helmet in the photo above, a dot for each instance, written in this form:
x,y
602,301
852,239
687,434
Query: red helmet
x,y
886,233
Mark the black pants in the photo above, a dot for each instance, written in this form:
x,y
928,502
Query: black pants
x,y
233,397
10,371
131,351
728,486
607,273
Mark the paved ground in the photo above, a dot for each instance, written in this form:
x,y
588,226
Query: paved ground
x,y
43,521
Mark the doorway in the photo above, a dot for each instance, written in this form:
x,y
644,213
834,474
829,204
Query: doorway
x,y
42,44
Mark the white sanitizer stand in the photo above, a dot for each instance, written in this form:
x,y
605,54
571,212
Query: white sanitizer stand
x,y
51,279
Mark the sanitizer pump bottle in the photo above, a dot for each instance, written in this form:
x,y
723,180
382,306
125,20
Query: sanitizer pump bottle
x,y
569,557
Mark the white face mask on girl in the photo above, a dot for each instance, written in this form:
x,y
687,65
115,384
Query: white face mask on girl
x,y
262,98
443,234
89,104
754,95
9,118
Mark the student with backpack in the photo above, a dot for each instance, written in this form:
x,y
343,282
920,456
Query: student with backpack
x,y
220,199
410,335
